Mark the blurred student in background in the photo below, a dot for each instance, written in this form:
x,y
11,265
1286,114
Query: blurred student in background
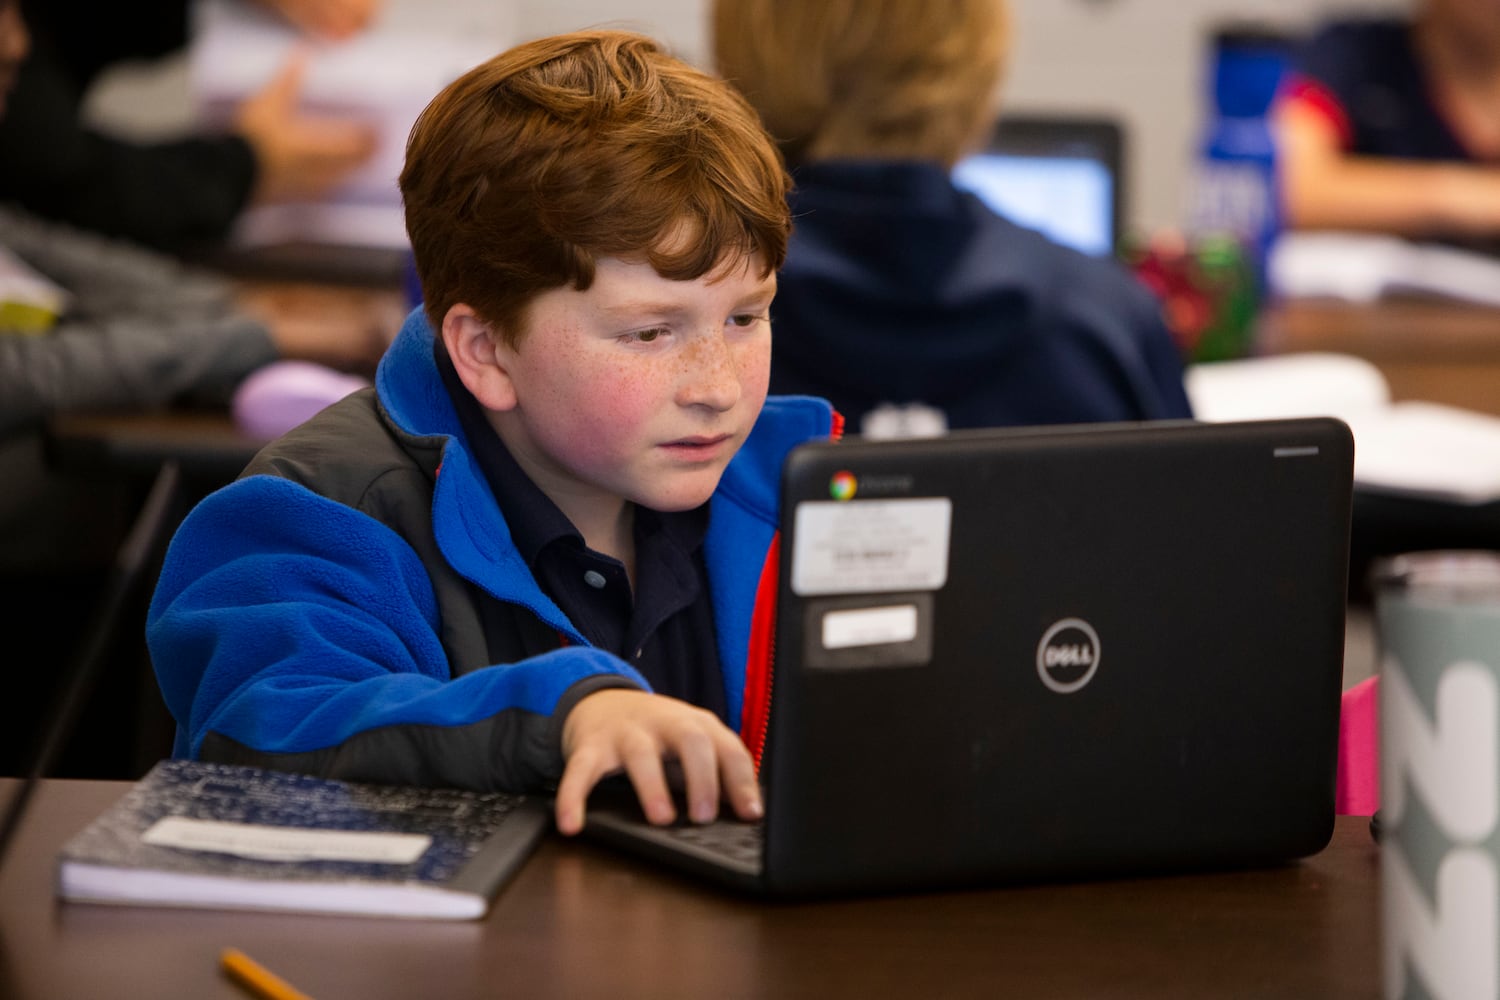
x,y
87,323
172,195
904,300
1393,124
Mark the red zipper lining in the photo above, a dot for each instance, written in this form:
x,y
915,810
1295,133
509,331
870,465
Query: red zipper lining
x,y
756,715
761,654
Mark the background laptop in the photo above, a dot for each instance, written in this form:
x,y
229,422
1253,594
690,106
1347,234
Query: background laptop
x,y
1061,652
1062,176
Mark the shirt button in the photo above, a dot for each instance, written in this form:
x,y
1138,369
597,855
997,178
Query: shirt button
x,y
594,579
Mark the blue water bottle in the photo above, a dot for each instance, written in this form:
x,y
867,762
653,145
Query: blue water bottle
x,y
1234,193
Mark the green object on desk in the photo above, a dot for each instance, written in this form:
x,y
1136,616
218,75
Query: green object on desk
x,y
1227,278
26,319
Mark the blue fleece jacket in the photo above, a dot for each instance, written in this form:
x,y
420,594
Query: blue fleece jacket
x,y
311,616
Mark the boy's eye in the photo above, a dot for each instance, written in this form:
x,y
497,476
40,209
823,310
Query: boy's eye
x,y
643,336
746,319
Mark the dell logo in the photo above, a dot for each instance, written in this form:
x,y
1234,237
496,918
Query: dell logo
x,y
1068,655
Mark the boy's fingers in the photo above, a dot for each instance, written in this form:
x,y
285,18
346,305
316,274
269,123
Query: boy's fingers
x,y
643,765
579,777
698,757
737,771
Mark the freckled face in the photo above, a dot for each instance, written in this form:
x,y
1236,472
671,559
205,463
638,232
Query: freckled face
x,y
639,389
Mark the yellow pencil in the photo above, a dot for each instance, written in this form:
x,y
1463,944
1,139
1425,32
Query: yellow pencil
x,y
256,978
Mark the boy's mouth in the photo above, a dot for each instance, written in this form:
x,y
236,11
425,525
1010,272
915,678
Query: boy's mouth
x,y
699,446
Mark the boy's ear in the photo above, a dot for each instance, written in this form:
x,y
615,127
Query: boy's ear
x,y
477,357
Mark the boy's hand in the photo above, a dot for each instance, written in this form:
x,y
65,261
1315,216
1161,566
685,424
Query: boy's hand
x,y
618,729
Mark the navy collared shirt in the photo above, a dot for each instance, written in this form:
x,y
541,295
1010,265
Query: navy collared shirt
x,y
665,629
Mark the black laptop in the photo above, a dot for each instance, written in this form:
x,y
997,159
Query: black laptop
x,y
1020,655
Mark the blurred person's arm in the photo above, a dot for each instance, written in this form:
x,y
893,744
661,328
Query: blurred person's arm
x,y
299,155
125,362
347,328
139,329
172,194
326,18
142,330
1324,187
167,195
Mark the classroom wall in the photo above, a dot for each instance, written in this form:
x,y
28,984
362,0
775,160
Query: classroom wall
x,y
1145,62
1140,60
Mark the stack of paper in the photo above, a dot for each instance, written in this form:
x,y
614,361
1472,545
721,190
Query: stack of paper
x,y
1415,448
1363,267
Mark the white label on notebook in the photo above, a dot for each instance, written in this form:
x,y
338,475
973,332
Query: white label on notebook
x,y
869,626
286,843
871,546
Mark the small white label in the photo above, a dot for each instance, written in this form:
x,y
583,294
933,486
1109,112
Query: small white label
x,y
869,626
286,843
871,546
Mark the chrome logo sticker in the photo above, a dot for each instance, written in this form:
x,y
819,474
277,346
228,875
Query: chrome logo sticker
x,y
842,486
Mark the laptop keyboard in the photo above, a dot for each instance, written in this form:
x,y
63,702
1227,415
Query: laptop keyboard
x,y
731,844
739,841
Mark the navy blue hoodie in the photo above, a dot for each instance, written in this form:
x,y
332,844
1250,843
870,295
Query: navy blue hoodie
x,y
900,288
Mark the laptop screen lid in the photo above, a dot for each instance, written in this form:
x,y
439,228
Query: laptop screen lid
x,y
1024,654
1013,655
1062,176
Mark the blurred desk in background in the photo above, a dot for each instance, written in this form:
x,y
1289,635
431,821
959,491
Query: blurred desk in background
x,y
351,266
1435,350
207,445
1438,350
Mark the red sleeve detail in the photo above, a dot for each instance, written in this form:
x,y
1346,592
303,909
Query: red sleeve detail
x,y
1308,93
756,714
836,432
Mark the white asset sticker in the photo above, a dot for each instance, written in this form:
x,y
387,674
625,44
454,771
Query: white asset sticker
x,y
869,626
286,843
871,546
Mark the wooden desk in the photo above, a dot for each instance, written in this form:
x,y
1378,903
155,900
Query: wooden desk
x,y
579,922
1447,352
205,443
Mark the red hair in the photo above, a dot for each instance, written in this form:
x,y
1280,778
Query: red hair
x,y
527,169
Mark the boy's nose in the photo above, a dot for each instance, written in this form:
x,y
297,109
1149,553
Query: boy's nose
x,y
713,375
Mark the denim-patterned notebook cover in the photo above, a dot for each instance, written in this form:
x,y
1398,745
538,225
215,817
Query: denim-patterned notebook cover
x,y
221,836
